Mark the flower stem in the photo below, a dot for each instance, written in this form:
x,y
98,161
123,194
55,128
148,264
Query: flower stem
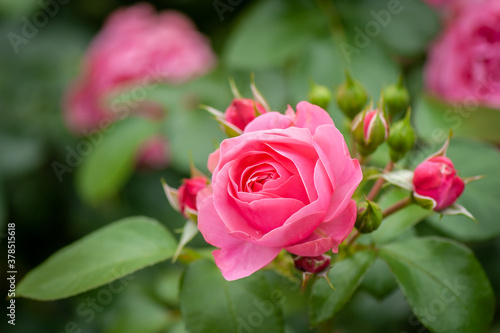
x,y
378,184
397,206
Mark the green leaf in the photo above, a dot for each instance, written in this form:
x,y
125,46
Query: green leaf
x,y
112,159
209,303
480,197
105,255
444,284
398,223
272,32
346,275
379,281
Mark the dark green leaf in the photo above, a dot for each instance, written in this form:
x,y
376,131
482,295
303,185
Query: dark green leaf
x,y
444,283
101,257
346,275
211,304
378,280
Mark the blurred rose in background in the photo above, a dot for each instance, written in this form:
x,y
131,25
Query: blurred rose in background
x,y
464,63
136,49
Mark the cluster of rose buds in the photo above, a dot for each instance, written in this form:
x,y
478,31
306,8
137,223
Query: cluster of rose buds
x,y
272,190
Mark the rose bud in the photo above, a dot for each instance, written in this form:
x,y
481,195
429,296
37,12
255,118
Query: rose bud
x,y
312,265
351,97
436,179
320,95
370,130
369,217
241,111
187,195
396,98
401,138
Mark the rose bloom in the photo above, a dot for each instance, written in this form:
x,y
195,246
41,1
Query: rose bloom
x,y
285,183
136,48
436,178
464,63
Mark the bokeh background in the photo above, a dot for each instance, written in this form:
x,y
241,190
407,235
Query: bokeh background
x,y
286,43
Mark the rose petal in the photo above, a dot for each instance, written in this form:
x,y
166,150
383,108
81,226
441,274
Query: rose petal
x,y
235,258
269,121
344,172
243,259
328,235
311,116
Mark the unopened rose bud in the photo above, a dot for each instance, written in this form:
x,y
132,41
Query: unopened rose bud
x,y
320,95
401,138
351,97
312,265
241,111
396,98
370,130
187,194
369,217
436,181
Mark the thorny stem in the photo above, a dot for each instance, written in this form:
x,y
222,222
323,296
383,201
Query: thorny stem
x,y
397,206
378,184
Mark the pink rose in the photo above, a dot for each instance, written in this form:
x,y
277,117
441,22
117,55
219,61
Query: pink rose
x,y
188,191
135,49
436,178
241,111
464,64
285,183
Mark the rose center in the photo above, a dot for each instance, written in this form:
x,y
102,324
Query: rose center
x,y
255,183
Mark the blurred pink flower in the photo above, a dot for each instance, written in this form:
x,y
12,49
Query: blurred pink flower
x,y
464,63
154,153
136,48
